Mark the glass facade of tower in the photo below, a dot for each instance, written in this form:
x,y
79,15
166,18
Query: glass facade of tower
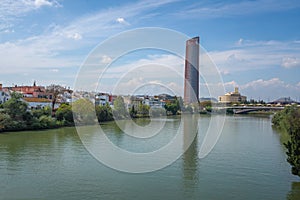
x,y
191,82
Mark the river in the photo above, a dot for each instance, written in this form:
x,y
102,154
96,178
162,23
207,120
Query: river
x,y
247,162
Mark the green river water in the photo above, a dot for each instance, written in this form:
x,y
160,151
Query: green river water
x,y
247,162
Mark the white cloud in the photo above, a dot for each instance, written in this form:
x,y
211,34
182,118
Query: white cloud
x,y
290,62
253,55
258,84
153,74
270,89
240,41
106,59
74,36
167,65
31,4
39,3
12,10
48,49
121,20
216,9
7,31
267,90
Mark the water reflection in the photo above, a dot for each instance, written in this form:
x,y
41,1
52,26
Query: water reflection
x,y
190,157
17,148
294,194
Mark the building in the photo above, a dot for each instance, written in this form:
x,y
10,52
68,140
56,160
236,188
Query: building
x,y
284,101
191,81
37,103
232,97
4,96
30,91
101,99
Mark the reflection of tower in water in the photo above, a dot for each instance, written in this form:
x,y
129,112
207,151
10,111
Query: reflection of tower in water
x,y
190,157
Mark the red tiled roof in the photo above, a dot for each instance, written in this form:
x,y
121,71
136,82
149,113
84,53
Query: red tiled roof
x,y
34,99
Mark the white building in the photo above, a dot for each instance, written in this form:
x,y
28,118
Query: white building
x,y
101,99
232,97
38,102
4,96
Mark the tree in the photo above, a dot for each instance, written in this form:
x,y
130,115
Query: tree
x,y
5,122
104,113
288,120
42,111
15,107
143,110
173,107
55,90
84,111
180,104
206,105
119,110
64,113
132,112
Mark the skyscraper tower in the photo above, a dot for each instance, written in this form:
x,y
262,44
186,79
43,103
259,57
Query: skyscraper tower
x,y
191,81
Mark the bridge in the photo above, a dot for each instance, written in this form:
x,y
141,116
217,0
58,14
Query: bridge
x,y
247,109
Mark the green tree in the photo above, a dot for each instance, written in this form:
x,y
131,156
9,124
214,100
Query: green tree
x,y
41,111
15,107
5,122
104,113
64,113
205,104
288,120
181,104
143,110
47,122
132,112
172,108
54,90
120,110
84,111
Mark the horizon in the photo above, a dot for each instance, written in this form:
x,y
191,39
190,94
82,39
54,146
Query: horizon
x,y
157,94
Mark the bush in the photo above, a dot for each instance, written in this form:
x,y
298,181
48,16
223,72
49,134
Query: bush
x,y
5,121
288,120
84,111
64,114
47,122
104,113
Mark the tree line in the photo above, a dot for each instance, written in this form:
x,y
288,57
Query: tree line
x,y
15,115
288,120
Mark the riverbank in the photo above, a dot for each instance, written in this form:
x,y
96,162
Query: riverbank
x,y
288,121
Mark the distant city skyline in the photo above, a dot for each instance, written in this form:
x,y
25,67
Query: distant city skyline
x,y
255,44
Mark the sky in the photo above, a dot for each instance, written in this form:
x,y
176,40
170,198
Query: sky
x,y
255,44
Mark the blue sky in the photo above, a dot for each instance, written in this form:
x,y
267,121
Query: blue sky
x,y
255,44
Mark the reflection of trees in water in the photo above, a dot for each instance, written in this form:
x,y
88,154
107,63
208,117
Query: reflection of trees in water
x,y
294,194
15,146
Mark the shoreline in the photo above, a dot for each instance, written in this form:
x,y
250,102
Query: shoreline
x,y
262,114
